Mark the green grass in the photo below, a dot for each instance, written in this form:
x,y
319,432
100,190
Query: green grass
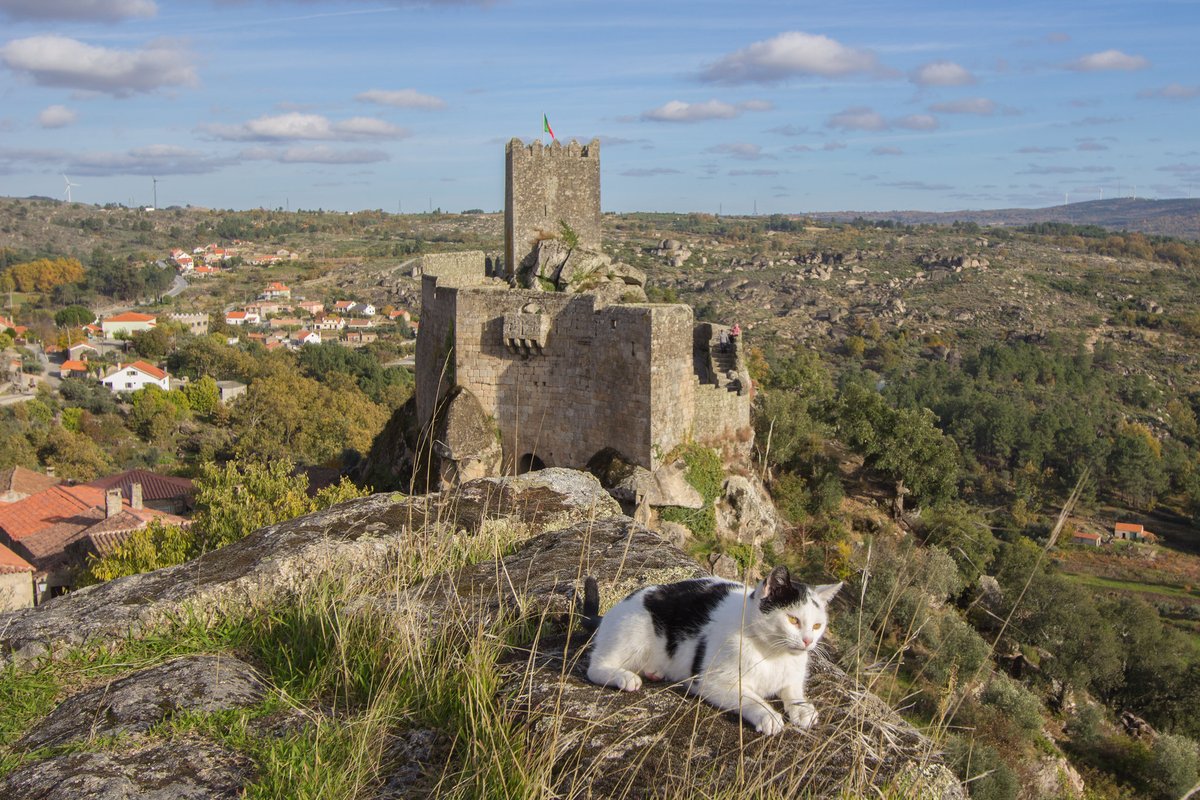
x,y
1166,590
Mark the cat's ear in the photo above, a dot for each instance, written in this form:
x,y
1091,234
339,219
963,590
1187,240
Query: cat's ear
x,y
779,580
826,591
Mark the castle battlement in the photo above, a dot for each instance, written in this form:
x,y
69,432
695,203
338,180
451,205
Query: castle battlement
x,y
519,149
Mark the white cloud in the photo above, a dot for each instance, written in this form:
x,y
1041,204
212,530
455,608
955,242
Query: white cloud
x,y
81,10
1108,60
746,151
857,118
56,116
155,159
649,172
790,54
918,122
60,61
738,173
296,126
887,151
968,105
401,98
941,73
315,154
1172,91
679,111
833,145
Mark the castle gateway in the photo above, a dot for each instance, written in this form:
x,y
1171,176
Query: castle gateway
x,y
564,375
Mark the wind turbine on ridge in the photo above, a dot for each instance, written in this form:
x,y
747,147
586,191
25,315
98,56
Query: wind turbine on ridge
x,y
69,185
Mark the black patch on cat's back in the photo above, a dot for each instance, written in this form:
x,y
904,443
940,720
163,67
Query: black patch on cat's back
x,y
681,610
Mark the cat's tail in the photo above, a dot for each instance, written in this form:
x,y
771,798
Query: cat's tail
x,y
589,608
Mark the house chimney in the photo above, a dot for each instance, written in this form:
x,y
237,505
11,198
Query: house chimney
x,y
135,496
50,471
112,503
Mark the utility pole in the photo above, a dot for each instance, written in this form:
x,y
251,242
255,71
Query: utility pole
x,y
155,192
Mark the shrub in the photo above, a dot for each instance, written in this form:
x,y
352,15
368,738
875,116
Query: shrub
x,y
989,777
1016,703
1174,764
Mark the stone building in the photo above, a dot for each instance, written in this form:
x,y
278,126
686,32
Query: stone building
x,y
559,378
545,186
565,378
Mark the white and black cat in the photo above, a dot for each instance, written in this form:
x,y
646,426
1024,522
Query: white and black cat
x,y
736,646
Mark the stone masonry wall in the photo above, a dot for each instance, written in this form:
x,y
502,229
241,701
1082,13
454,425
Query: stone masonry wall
x,y
434,372
719,414
464,268
672,378
16,590
544,185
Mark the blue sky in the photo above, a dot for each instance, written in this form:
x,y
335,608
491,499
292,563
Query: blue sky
x,y
700,106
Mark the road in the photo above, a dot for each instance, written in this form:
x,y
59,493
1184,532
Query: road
x,y
177,286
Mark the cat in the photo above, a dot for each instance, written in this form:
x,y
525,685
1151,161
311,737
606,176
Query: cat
x,y
720,637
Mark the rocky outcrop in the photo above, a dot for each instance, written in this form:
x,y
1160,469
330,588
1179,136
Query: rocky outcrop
x,y
466,440
596,741
745,512
555,266
278,560
134,704
190,769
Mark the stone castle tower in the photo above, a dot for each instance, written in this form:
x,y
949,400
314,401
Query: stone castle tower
x,y
509,379
545,186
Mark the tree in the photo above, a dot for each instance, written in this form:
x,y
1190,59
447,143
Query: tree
x,y
203,395
153,344
74,316
961,533
74,455
155,412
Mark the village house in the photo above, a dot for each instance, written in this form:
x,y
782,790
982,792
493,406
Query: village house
x,y
359,324
283,323
1132,532
205,271
138,375
72,368
328,322
127,324
399,314
359,338
17,483
363,309
313,307
264,308
242,318
303,337
276,291
82,351
229,390
182,260
1084,538
141,487
56,529
16,581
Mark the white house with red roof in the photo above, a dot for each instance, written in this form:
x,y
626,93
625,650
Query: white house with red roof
x,y
277,291
127,324
303,337
138,375
242,318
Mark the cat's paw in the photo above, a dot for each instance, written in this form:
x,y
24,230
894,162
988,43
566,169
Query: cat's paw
x,y
770,723
628,681
803,714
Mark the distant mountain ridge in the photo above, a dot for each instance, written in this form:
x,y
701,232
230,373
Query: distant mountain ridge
x,y
1178,217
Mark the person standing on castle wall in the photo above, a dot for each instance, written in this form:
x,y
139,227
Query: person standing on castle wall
x,y
723,340
734,333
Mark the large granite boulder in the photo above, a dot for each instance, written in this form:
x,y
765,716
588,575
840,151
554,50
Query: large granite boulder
x,y
465,440
360,538
745,511
188,769
137,702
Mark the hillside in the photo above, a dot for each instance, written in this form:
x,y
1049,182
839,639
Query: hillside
x,y
1176,217
927,400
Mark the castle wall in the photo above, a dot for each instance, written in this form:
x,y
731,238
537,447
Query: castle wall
x,y
719,414
435,371
544,185
466,268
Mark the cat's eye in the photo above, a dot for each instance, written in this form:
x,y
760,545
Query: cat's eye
x,y
793,620
816,626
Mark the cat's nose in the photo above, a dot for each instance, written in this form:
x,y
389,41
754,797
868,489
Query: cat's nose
x,y
808,641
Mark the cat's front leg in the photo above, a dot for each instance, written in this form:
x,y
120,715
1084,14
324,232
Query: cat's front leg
x,y
800,711
753,709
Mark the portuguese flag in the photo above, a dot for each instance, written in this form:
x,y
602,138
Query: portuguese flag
x,y
546,127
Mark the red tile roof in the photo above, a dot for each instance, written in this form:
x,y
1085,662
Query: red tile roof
x,y
1128,526
154,486
71,365
46,508
141,366
132,316
25,481
10,562
1091,537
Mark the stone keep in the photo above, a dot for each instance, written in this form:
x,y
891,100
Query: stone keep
x,y
545,186
566,376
